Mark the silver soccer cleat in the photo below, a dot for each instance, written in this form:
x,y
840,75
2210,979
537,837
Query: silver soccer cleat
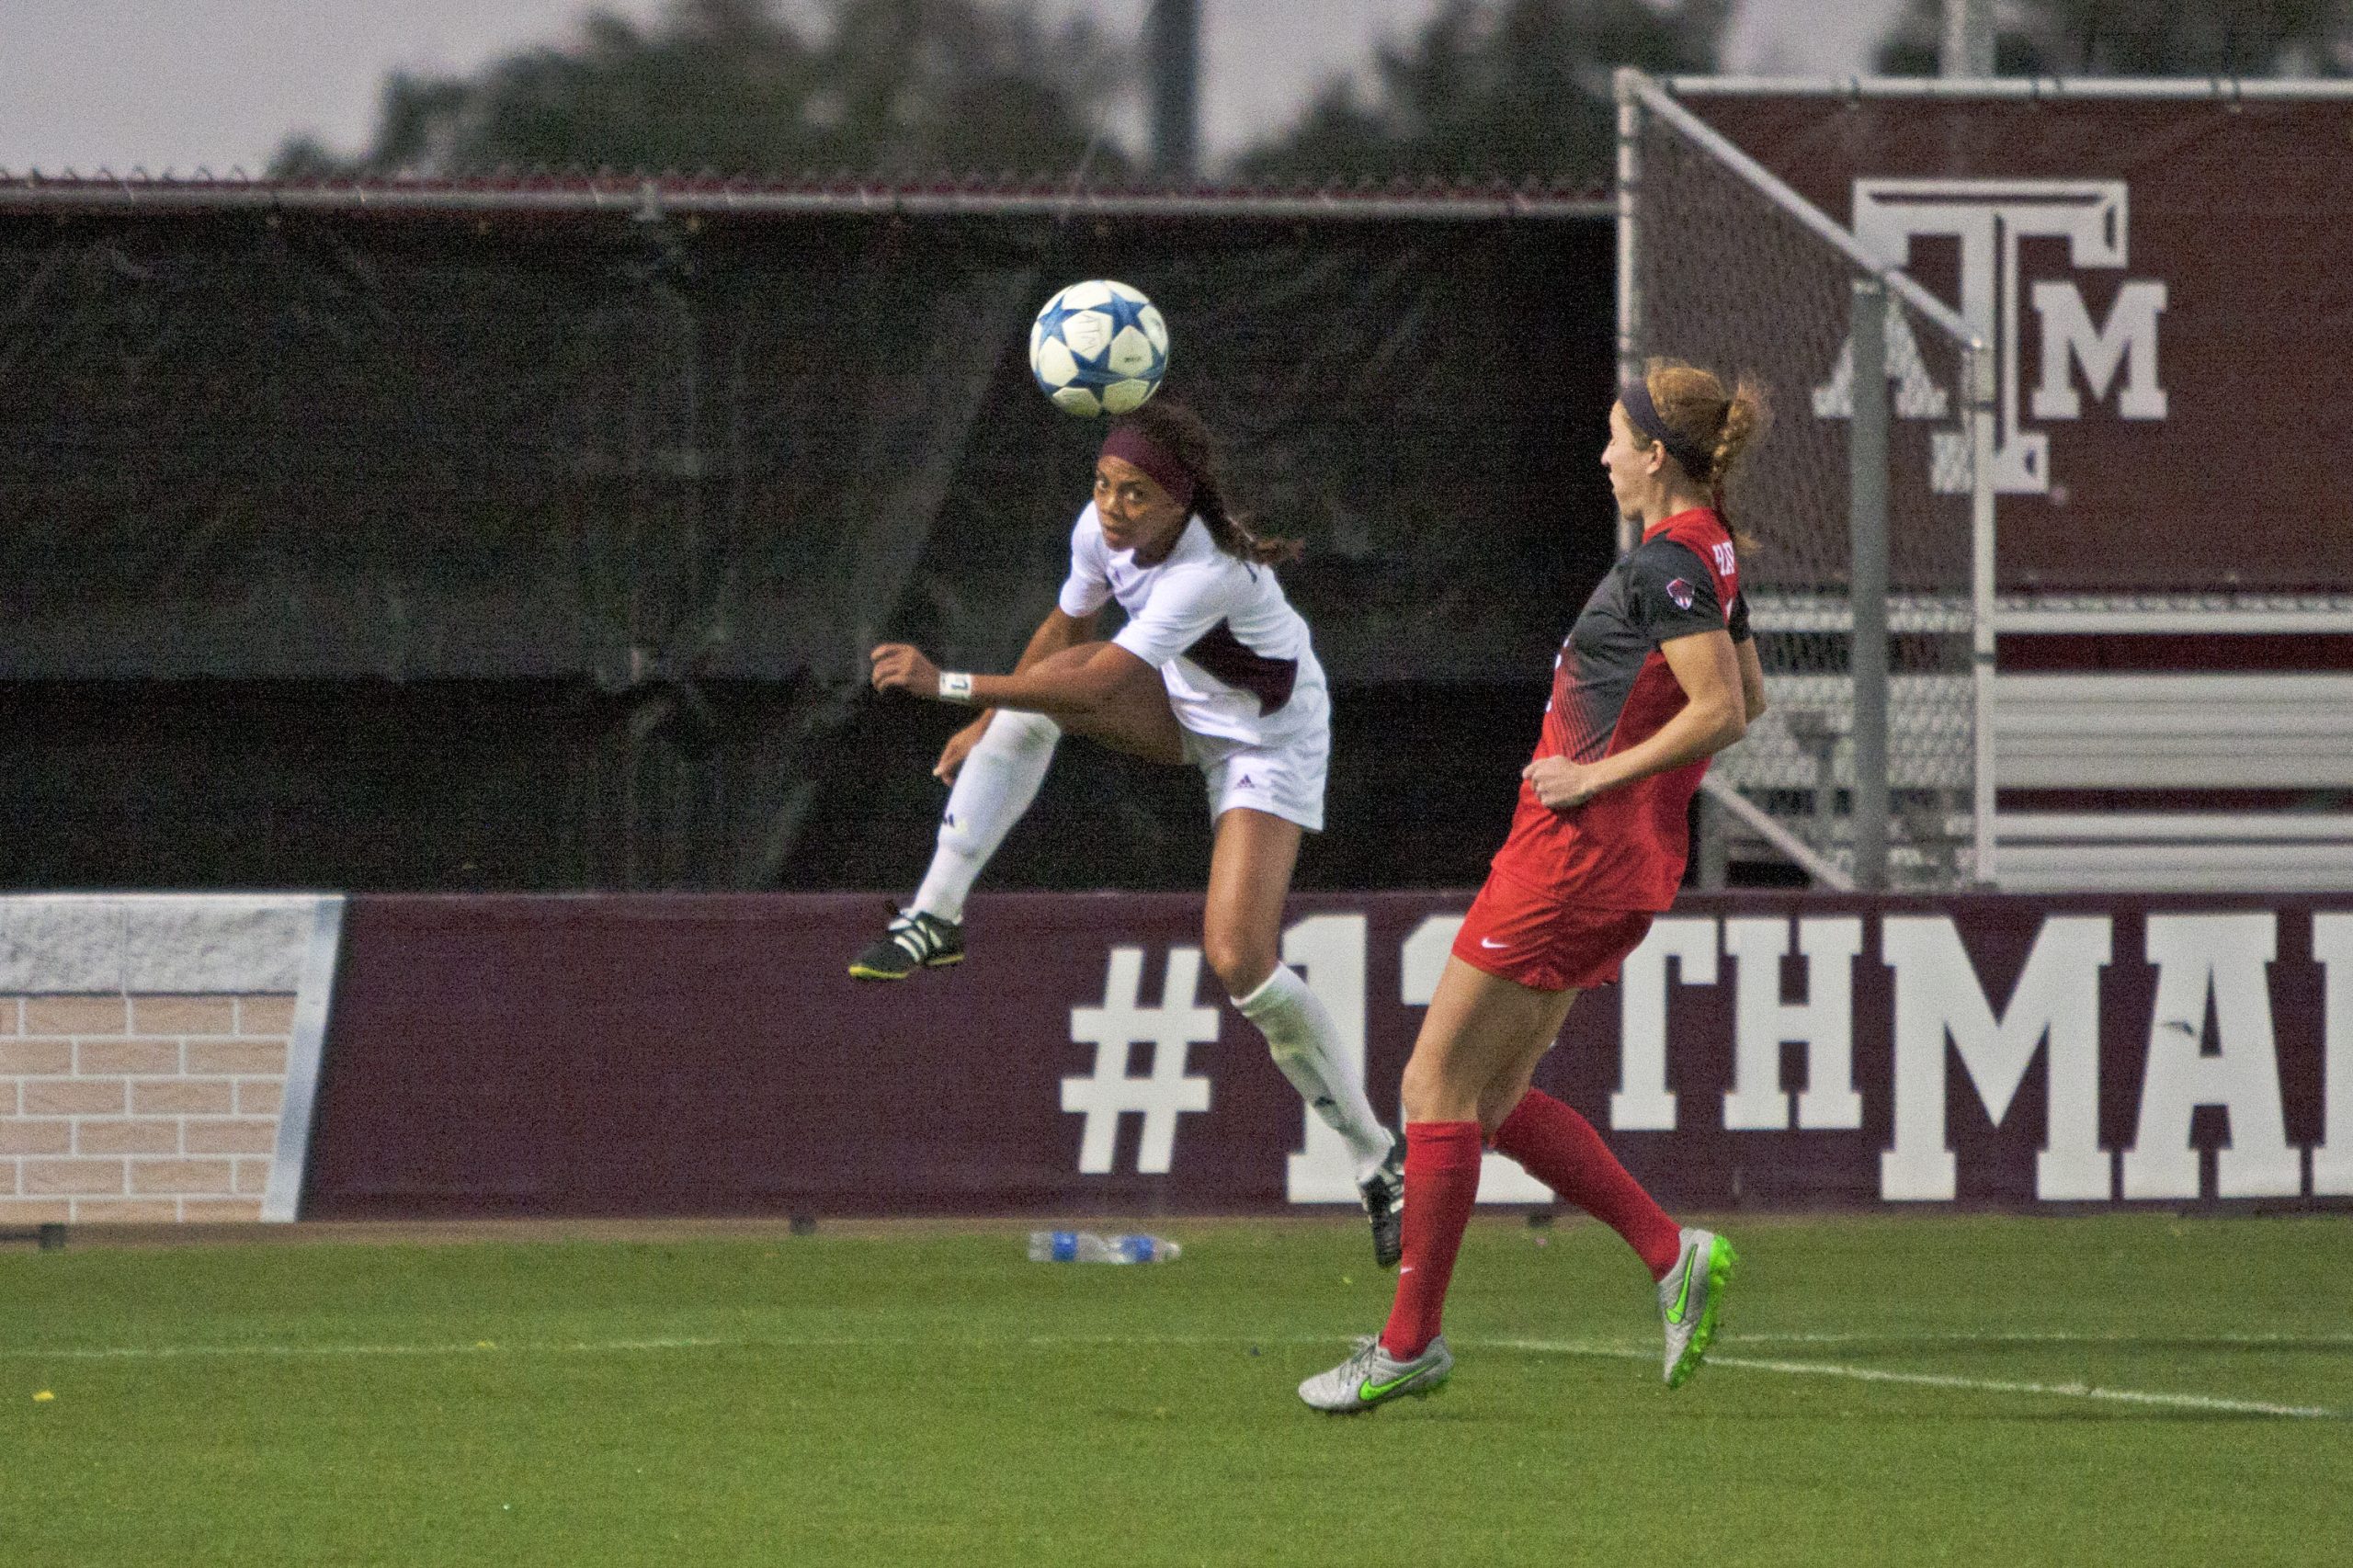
x,y
1372,1377
1688,1299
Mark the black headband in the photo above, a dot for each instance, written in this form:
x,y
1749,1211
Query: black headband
x,y
1636,396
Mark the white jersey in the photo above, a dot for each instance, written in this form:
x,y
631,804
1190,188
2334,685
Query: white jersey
x,y
1236,658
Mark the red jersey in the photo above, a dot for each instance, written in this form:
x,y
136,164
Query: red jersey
x,y
1612,689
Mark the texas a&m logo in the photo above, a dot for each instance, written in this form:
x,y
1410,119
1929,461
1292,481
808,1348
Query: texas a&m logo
x,y
1991,221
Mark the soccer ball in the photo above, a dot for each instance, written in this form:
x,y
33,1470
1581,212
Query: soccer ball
x,y
1098,347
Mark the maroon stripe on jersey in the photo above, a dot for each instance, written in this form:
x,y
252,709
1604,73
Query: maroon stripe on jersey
x,y
1225,657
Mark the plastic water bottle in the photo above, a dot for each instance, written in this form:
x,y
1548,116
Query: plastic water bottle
x,y
1085,1246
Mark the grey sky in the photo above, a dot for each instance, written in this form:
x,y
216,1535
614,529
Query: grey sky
x,y
179,84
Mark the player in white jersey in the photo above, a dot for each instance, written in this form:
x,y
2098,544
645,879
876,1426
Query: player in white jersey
x,y
1213,668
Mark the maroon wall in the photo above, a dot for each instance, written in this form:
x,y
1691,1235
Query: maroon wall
x,y
2234,208
708,1055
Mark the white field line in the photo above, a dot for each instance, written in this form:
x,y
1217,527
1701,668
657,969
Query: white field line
x,y
594,1347
2032,1336
2160,1399
1952,1380
453,1347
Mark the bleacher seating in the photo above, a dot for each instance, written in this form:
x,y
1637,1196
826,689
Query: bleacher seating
x,y
2172,735
2183,742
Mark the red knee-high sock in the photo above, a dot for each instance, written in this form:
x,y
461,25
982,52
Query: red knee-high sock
x,y
1561,1150
1441,1183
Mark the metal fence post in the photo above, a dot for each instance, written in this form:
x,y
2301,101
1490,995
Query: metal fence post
x,y
1629,82
1710,855
1968,39
1867,533
1173,60
1982,387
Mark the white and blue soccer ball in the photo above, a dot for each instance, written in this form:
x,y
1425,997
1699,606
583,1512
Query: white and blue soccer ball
x,y
1098,347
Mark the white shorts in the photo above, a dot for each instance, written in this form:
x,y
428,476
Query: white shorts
x,y
1285,781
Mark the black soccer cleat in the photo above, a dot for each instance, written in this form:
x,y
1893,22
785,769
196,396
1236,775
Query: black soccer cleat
x,y
913,940
1384,1205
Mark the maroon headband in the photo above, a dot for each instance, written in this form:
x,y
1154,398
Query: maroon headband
x,y
1127,442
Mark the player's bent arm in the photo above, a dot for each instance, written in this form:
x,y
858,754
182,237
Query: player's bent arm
x,y
1079,683
1071,689
1752,679
1059,630
1707,667
1712,717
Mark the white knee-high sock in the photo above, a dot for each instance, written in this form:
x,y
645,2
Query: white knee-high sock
x,y
995,785
1305,1044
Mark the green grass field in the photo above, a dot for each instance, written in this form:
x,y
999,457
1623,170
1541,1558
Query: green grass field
x,y
2139,1389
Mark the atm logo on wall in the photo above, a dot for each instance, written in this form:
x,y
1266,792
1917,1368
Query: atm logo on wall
x,y
2053,354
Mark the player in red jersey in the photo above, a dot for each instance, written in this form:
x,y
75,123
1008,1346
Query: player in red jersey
x,y
1657,675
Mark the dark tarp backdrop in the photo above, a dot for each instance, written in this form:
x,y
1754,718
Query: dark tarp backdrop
x,y
541,550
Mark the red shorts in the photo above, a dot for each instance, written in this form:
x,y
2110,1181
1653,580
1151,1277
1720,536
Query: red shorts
x,y
1518,935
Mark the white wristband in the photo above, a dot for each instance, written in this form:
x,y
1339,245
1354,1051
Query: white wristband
x,y
955,686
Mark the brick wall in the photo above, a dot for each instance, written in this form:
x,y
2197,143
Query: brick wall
x,y
141,1109
146,1049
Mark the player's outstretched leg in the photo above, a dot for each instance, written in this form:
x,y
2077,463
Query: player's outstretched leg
x,y
1305,1044
998,781
1372,1377
1690,1299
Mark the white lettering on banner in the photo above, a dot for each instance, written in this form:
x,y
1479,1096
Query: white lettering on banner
x,y
2056,999
2333,1156
1944,1025
2129,339
2224,956
1328,951
1823,1023
1501,1179
1121,1022
1990,220
1423,959
1917,395
1642,1102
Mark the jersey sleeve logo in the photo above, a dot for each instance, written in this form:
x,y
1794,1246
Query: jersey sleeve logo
x,y
1680,591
